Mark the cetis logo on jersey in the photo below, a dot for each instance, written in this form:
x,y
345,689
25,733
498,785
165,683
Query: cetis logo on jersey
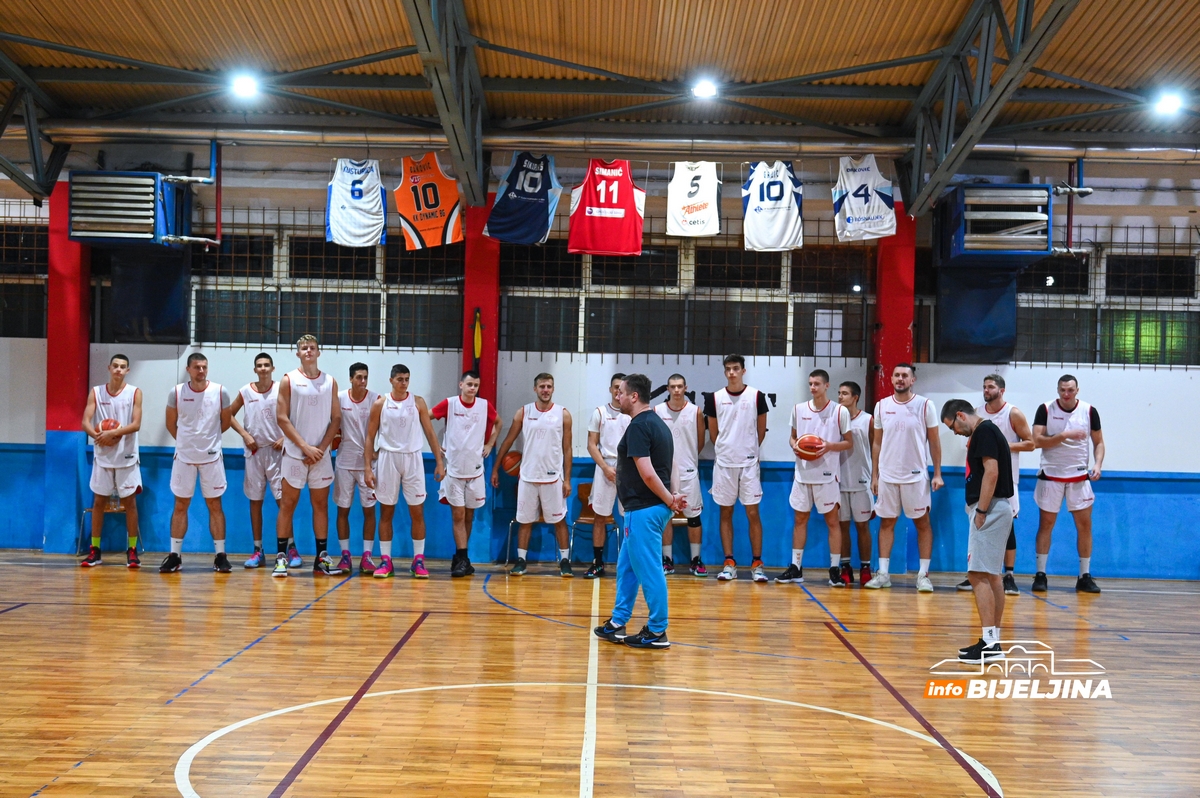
x,y
1013,676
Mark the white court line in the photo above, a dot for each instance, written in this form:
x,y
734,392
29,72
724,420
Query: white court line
x,y
1155,592
587,760
183,768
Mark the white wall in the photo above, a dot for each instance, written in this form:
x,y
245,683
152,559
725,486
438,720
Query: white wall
x,y
23,392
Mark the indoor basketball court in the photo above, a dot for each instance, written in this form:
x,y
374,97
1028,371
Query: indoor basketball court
x,y
364,359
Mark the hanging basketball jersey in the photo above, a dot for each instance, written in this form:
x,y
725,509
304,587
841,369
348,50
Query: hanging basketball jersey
x,y
428,204
356,205
772,199
694,200
607,211
526,201
862,201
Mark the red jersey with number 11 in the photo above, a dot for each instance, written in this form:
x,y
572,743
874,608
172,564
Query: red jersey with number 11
x,y
607,211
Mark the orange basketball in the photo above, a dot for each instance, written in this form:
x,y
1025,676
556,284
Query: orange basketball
x,y
109,424
807,446
512,464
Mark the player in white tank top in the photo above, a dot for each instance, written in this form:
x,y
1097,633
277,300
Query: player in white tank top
x,y
605,429
545,480
687,426
309,417
350,444
393,464
858,504
115,463
905,424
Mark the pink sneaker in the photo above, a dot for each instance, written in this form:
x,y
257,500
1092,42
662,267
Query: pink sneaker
x,y
418,568
366,565
385,570
345,565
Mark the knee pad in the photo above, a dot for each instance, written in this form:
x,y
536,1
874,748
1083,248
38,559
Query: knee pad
x,y
1012,540
694,522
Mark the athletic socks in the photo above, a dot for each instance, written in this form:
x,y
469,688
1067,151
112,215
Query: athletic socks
x,y
281,545
96,541
798,557
597,554
522,554
845,561
344,543
419,548
176,545
834,560
1085,565
924,569
219,546
565,554
133,541
695,547
1041,562
1008,569
667,549
991,634
385,548
460,553
883,564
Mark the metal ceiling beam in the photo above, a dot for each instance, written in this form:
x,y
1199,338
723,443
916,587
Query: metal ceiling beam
x,y
799,120
652,86
415,121
24,181
572,120
10,107
447,51
829,74
96,54
1033,124
18,75
126,113
290,78
962,39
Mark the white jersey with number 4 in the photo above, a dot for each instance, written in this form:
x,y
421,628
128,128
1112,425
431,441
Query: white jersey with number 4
x,y
772,199
356,205
694,200
683,431
863,206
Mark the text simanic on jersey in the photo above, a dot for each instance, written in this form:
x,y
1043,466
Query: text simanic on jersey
x,y
607,172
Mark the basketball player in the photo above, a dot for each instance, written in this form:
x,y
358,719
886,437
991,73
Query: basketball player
x,y
644,462
198,411
116,465
349,472
309,418
686,423
262,446
605,428
545,481
1061,430
816,484
989,486
857,505
905,424
393,463
737,425
472,429
1013,424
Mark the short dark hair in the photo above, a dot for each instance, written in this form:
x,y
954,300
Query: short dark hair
x,y
677,377
119,356
953,407
615,377
734,358
822,373
1067,378
472,373
399,368
639,384
908,366
261,355
194,356
996,378
855,388
357,367
542,378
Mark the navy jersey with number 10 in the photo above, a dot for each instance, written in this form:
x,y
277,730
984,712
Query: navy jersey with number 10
x,y
526,201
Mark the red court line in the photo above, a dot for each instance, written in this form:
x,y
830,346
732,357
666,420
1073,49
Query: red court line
x,y
324,736
934,733
14,607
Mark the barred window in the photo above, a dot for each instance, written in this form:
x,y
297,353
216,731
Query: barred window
x,y
539,324
24,249
833,269
546,265
237,317
1150,337
337,319
735,267
1056,335
751,328
656,266
239,255
1150,275
639,326
424,321
24,265
314,258
443,266
1058,274
832,330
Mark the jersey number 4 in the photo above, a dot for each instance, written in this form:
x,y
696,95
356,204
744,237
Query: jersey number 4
x,y
863,192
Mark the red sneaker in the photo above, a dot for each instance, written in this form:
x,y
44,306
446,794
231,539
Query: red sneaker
x,y
92,559
847,574
864,575
131,558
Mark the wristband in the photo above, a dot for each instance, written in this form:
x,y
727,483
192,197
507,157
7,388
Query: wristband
x,y
977,510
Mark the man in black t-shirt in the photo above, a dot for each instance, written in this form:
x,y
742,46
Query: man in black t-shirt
x,y
644,458
989,487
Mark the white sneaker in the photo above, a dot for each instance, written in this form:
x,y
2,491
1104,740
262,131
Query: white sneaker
x,y
878,581
923,584
758,574
728,573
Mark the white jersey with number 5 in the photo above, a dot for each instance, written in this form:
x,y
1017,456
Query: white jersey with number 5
x,y
694,200
356,205
772,199
863,206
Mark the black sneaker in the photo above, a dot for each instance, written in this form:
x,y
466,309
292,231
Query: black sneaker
x,y
648,639
594,571
668,566
92,559
1010,585
697,568
171,563
613,634
1085,584
1040,583
964,586
460,567
221,563
835,577
564,569
981,652
792,574
518,568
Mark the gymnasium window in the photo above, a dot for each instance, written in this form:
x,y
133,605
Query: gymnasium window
x,y
656,266
24,263
1056,335
239,255
1065,275
1150,337
314,258
1150,275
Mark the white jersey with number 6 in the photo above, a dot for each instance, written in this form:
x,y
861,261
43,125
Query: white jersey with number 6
x,y
356,205
772,199
863,206
694,200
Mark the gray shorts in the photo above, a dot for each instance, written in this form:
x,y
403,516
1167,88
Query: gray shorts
x,y
985,547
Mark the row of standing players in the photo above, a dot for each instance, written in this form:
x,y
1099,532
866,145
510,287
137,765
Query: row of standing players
x,y
865,465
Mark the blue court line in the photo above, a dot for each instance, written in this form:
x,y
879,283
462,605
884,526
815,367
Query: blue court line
x,y
811,597
14,607
1077,615
261,638
39,790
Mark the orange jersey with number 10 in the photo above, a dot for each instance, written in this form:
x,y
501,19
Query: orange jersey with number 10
x,y
428,204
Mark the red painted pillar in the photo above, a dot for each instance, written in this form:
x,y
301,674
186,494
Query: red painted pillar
x,y
69,314
481,296
894,293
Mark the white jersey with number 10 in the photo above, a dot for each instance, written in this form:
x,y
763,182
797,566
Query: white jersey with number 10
x,y
772,199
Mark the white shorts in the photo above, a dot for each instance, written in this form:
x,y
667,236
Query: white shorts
x,y
400,471
1049,495
823,497
856,505
913,497
604,495
470,493
298,473
690,488
262,468
126,481
212,478
344,481
544,499
731,484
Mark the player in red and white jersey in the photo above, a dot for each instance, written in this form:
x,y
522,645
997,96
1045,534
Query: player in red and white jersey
x,y
687,425
737,425
817,482
309,417
545,481
472,428
393,464
116,467
1061,429
350,444
1015,428
197,413
605,428
906,427
607,211
857,505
